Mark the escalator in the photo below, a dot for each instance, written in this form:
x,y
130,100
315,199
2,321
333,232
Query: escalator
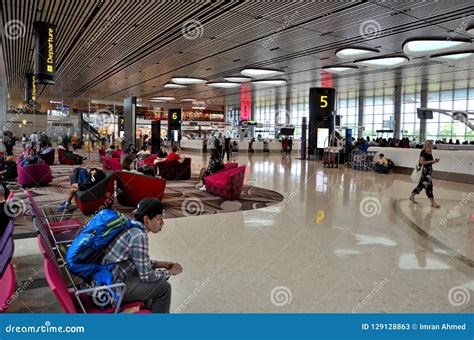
x,y
91,130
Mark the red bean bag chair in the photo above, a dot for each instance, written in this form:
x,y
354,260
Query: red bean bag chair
x,y
111,164
226,184
33,175
133,187
67,158
228,166
101,154
100,196
48,158
174,170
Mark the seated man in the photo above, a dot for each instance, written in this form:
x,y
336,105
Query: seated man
x,y
143,153
65,147
146,280
381,165
174,155
215,164
31,159
81,181
108,152
48,149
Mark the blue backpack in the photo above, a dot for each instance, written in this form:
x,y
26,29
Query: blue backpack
x,y
84,256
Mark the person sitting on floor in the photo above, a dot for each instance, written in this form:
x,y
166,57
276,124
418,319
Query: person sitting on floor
x,y
215,164
381,165
31,159
82,181
146,280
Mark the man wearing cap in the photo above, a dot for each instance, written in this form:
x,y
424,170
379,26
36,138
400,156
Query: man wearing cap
x,y
145,280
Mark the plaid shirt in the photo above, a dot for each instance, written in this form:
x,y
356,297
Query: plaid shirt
x,y
130,252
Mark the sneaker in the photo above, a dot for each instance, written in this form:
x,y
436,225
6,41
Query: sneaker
x,y
84,158
63,206
203,188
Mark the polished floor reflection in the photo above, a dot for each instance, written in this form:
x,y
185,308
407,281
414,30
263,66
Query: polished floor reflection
x,y
340,241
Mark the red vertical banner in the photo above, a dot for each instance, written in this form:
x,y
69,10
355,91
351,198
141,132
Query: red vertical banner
x,y
245,101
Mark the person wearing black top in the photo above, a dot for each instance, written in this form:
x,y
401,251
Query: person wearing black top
x,y
95,176
426,181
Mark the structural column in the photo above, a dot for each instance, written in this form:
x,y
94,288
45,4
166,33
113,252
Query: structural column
x,y
398,108
360,117
288,106
129,115
423,103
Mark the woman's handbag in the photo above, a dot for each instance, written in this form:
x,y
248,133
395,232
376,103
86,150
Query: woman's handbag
x,y
416,174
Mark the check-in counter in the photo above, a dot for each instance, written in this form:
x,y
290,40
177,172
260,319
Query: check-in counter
x,y
454,165
192,144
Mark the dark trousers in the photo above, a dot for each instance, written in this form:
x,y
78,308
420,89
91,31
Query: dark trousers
x,y
227,151
426,182
155,295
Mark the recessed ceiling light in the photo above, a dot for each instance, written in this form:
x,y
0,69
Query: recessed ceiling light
x,y
276,82
452,55
355,51
188,100
423,46
223,84
238,79
188,80
163,98
339,69
388,61
261,72
174,86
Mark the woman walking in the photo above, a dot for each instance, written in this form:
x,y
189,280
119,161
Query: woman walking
x,y
426,182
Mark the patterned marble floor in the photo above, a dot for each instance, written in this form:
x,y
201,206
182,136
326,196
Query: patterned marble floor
x,y
339,241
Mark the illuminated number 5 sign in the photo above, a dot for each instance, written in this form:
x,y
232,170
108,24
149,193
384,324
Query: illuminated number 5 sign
x,y
324,102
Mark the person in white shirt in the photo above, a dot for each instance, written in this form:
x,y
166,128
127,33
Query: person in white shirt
x,y
34,140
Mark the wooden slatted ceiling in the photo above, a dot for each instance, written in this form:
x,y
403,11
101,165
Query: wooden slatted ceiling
x,y
238,30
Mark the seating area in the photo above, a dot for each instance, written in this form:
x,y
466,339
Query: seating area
x,y
67,158
175,170
100,196
7,274
133,187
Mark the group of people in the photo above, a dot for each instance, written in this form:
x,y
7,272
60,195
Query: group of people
x,y
401,143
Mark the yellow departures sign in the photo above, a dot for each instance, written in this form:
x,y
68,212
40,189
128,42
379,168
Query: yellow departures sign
x,y
50,59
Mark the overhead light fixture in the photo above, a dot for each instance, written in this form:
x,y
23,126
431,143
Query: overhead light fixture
x,y
423,46
188,80
261,72
275,82
470,30
355,51
339,69
188,100
223,84
174,86
387,61
450,56
162,98
238,79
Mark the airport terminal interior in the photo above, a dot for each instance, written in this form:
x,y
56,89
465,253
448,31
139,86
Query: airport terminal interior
x,y
300,156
